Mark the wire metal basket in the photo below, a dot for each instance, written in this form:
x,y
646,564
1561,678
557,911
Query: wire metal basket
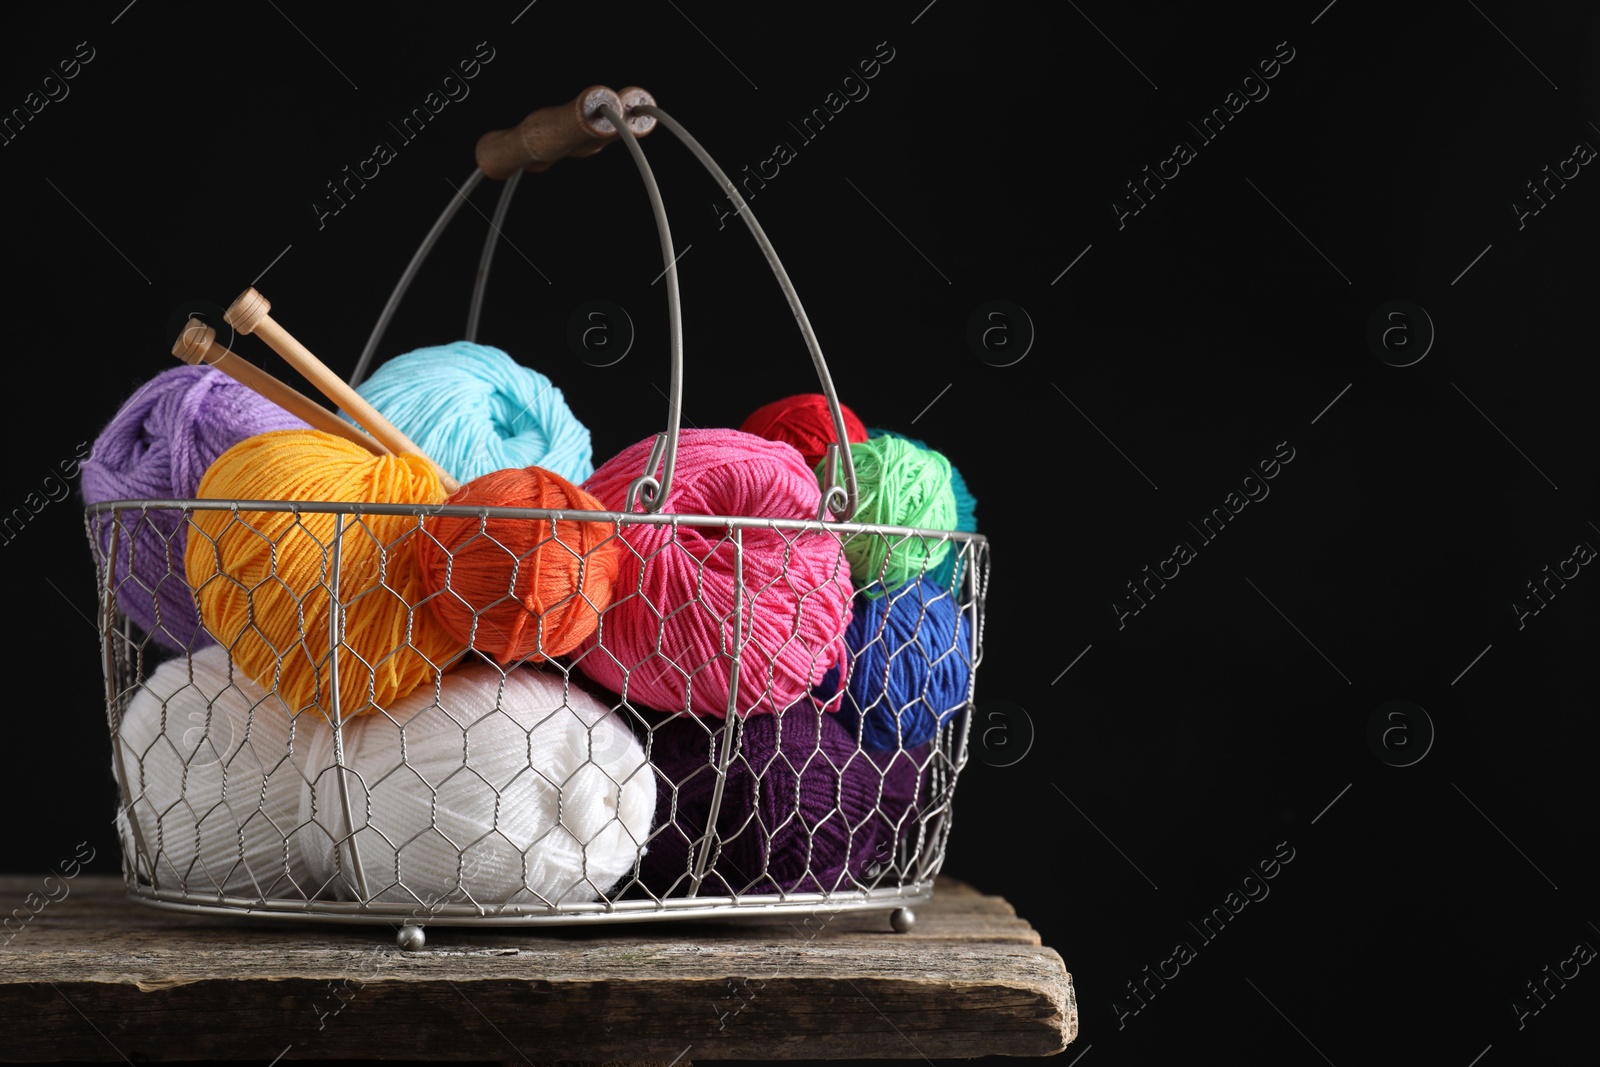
x,y
235,800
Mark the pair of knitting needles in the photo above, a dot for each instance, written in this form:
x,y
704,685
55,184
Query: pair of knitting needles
x,y
197,344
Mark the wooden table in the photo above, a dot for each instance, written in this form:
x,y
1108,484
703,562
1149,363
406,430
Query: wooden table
x,y
96,976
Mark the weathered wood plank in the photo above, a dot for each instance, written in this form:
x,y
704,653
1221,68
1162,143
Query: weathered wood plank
x,y
95,976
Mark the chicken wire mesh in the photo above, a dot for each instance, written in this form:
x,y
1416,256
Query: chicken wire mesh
x,y
485,803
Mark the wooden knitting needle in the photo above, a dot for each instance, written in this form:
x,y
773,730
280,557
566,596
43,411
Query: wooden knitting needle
x,y
197,344
550,134
249,314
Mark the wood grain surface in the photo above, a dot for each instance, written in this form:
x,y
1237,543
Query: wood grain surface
x,y
96,976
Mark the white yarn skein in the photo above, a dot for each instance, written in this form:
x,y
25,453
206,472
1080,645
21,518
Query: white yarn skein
x,y
215,791
508,787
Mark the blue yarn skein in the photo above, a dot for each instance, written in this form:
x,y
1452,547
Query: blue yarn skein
x,y
911,664
966,513
476,410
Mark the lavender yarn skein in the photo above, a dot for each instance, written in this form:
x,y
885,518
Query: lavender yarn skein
x,y
158,446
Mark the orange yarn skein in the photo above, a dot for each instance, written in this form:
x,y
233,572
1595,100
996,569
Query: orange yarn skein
x,y
518,589
262,579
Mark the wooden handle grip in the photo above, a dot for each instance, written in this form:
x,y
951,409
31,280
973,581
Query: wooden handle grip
x,y
550,134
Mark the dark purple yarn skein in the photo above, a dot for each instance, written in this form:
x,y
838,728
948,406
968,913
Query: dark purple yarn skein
x,y
156,447
803,810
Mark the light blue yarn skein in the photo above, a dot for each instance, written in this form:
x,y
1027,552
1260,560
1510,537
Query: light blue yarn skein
x,y
475,410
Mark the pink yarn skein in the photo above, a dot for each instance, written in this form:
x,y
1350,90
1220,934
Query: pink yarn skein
x,y
667,641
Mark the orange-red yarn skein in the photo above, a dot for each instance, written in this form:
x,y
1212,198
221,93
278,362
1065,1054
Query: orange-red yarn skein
x,y
519,589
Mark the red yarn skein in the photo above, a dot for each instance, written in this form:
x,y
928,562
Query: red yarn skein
x,y
518,589
804,421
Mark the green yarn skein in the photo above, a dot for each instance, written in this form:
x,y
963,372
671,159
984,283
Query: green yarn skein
x,y
898,484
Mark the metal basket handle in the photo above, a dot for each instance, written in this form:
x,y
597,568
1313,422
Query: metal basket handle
x,y
841,499
581,128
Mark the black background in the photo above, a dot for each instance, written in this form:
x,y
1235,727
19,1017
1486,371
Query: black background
x,y
1221,320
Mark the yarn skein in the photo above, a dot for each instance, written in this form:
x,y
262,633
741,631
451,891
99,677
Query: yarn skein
x,y
898,484
945,574
806,422
475,410
803,809
262,579
911,662
211,784
519,589
966,503
157,447
503,787
668,641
